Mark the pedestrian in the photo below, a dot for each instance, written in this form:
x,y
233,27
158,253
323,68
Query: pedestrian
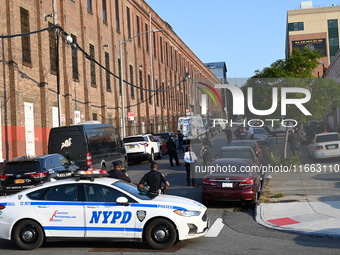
x,y
243,134
237,131
190,159
206,140
249,134
229,134
294,141
206,154
180,137
309,134
154,179
171,146
117,172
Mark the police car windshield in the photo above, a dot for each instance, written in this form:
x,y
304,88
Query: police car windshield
x,y
132,189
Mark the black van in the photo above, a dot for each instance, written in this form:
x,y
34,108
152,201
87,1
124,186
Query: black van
x,y
88,145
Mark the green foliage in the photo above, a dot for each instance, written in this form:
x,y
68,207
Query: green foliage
x,y
300,64
296,71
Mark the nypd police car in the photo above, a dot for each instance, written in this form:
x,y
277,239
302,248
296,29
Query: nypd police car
x,y
98,208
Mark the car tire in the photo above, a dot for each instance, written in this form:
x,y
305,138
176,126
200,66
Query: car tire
x,y
28,235
160,156
152,156
160,234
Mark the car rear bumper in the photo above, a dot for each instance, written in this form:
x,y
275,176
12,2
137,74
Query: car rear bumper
x,y
326,154
228,194
13,189
137,156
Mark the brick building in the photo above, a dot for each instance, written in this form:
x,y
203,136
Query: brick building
x,y
43,72
315,27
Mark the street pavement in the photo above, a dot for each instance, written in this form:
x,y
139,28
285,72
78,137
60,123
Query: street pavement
x,y
310,199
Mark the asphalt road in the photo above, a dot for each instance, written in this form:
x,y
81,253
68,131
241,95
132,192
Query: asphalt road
x,y
234,230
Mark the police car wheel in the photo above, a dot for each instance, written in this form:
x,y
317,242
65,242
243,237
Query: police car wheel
x,y
160,234
28,235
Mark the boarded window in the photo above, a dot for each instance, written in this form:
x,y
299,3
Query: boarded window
x,y
25,39
92,67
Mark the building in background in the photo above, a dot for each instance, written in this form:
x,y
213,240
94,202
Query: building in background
x,y
314,27
219,69
71,72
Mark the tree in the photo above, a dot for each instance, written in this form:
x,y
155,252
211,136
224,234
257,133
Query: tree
x,y
296,71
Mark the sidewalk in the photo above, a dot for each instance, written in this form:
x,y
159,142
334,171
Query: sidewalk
x,y
310,202
312,218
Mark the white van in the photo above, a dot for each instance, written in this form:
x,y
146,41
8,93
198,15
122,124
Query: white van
x,y
192,127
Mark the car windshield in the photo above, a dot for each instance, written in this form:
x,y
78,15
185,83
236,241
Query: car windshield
x,y
327,138
133,139
236,154
259,131
21,167
132,189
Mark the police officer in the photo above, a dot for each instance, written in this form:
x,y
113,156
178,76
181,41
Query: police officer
x,y
180,138
117,172
154,180
190,159
171,146
206,154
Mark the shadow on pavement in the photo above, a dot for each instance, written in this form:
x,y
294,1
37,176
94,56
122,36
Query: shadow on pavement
x,y
310,241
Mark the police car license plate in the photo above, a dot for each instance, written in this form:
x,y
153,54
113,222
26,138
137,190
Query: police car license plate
x,y
132,146
227,184
19,181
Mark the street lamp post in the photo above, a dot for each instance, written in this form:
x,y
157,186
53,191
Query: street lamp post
x,y
122,72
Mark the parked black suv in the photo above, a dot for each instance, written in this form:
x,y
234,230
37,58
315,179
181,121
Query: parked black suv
x,y
26,172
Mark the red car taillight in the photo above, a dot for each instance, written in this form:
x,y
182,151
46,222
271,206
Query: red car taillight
x,y
144,144
319,147
3,177
209,181
39,175
247,182
2,207
88,159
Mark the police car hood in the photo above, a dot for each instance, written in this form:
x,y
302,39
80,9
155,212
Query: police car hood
x,y
178,202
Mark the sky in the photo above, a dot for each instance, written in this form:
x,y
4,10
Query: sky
x,y
247,35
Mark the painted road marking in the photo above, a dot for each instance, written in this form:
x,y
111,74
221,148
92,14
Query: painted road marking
x,y
216,228
283,221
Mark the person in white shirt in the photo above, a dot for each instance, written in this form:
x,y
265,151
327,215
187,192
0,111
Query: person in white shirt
x,y
190,159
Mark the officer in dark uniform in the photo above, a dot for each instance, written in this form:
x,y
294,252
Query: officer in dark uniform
x,y
206,154
117,172
172,150
154,180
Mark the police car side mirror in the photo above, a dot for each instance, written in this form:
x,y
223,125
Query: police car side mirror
x,y
122,201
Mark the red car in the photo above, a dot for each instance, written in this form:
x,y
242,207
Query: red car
x,y
232,180
163,137
251,143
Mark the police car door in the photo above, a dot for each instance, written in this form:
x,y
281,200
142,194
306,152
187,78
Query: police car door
x,y
103,216
60,211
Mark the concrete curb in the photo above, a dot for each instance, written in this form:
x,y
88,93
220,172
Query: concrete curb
x,y
259,217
